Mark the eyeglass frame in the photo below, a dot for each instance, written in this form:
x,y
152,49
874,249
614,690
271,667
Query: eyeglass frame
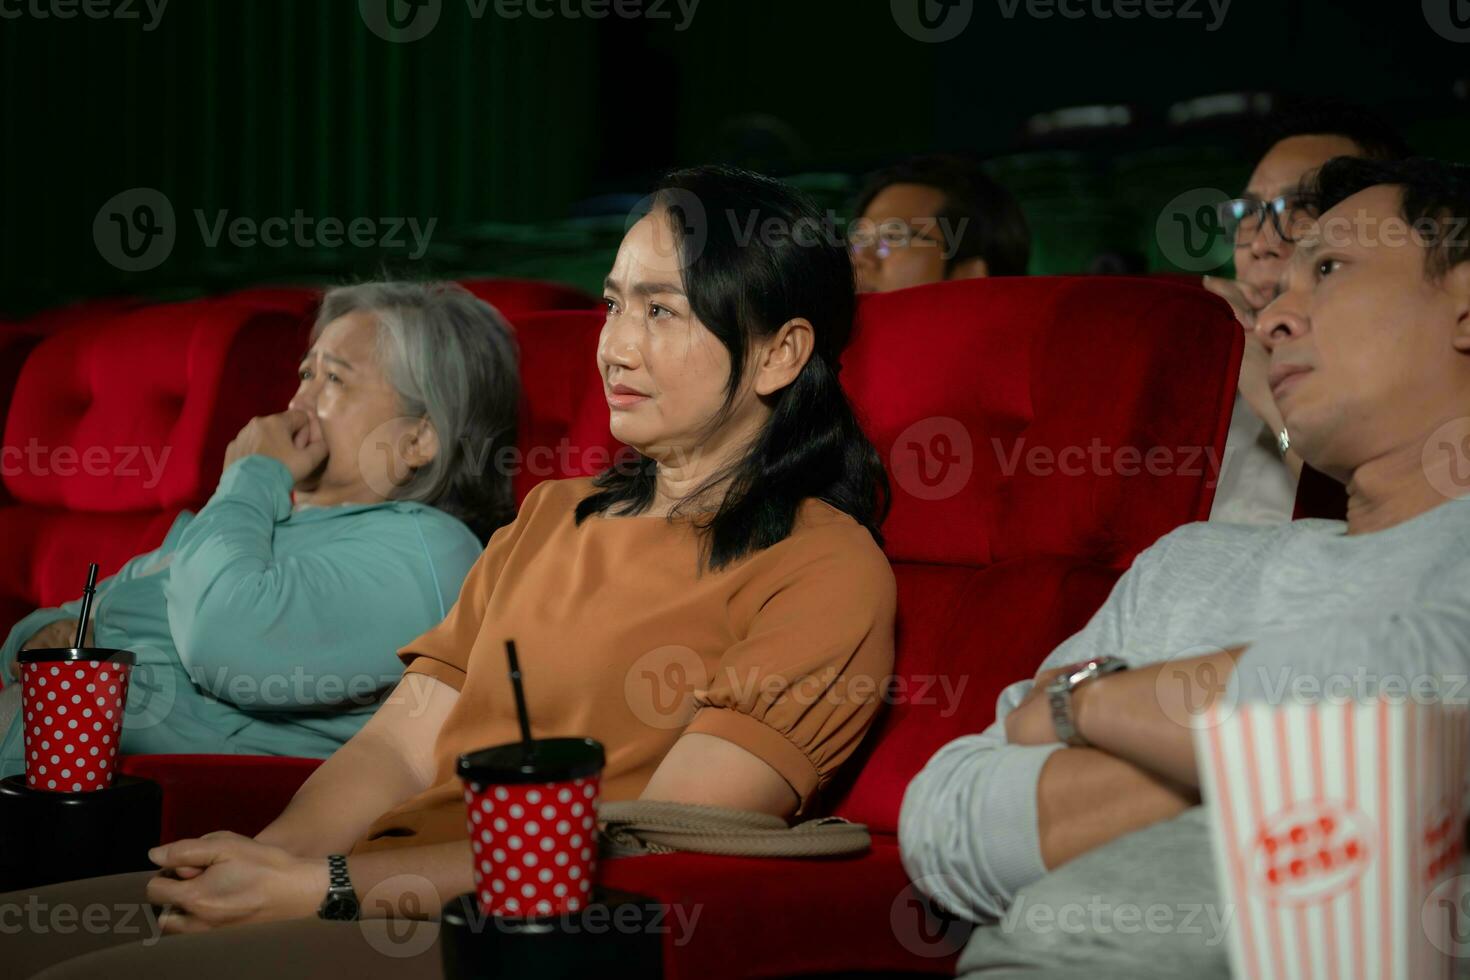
x,y
882,248
1258,209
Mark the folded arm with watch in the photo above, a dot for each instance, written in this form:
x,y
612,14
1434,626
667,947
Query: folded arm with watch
x,y
1142,714
1126,762
1059,694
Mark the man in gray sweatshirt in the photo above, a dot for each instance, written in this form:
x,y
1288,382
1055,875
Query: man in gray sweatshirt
x,y
1071,829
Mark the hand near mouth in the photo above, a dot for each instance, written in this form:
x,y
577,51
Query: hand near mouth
x,y
288,436
1245,300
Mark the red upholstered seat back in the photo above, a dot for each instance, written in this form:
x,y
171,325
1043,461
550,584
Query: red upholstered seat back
x,y
119,421
1007,549
564,417
47,551
1016,417
517,296
18,337
512,297
16,342
1008,411
85,311
171,383
1002,551
121,414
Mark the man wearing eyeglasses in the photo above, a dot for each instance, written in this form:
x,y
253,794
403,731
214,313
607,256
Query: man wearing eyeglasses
x,y
1071,830
934,218
1259,477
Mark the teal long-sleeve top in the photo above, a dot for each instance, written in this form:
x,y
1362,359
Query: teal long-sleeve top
x,y
260,629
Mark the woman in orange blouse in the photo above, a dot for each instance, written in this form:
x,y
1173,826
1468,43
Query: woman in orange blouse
x,y
718,614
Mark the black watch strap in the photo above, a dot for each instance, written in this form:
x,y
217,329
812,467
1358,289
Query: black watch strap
x,y
341,901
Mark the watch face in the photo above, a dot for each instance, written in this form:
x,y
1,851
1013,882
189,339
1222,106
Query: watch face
x,y
339,907
1080,671
1083,670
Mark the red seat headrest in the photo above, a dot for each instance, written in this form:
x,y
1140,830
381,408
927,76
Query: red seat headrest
x,y
1027,416
132,410
518,296
564,417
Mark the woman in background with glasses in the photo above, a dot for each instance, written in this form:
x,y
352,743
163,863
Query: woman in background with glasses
x,y
934,218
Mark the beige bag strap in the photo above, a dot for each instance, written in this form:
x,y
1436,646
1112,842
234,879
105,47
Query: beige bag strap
x,y
633,827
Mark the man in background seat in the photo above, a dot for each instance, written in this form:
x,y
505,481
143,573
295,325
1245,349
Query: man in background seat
x,y
1258,481
933,218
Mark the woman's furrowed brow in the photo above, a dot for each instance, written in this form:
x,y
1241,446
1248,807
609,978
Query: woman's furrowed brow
x,y
326,356
658,289
644,287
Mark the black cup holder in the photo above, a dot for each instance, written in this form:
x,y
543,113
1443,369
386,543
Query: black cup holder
x,y
46,836
616,934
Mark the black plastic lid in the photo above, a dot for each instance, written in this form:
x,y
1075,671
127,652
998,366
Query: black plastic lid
x,y
73,654
546,760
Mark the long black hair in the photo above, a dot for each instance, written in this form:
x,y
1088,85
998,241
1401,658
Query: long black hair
x,y
754,254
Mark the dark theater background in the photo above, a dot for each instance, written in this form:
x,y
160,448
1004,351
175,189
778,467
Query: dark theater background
x,y
513,137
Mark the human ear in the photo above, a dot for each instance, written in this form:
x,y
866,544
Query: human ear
x,y
785,356
422,445
1457,285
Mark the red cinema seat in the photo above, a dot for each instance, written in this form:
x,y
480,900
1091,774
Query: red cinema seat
x,y
1017,417
563,419
1009,412
1078,432
82,312
123,380
514,297
119,422
300,300
563,433
16,342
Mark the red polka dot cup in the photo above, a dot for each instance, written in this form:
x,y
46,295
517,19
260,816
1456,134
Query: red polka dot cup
x,y
532,822
72,702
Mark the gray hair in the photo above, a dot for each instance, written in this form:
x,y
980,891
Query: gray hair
x,y
452,358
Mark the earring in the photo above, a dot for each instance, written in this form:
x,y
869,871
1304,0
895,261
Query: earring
x,y
1283,440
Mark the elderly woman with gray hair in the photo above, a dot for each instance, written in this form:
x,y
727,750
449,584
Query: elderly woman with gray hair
x,y
341,528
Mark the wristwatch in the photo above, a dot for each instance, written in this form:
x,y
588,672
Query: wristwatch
x,y
1059,694
341,902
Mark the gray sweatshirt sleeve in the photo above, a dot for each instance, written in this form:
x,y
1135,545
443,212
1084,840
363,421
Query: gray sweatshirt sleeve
x,y
967,828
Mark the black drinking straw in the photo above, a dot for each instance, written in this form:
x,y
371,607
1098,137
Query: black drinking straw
x,y
87,595
515,683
